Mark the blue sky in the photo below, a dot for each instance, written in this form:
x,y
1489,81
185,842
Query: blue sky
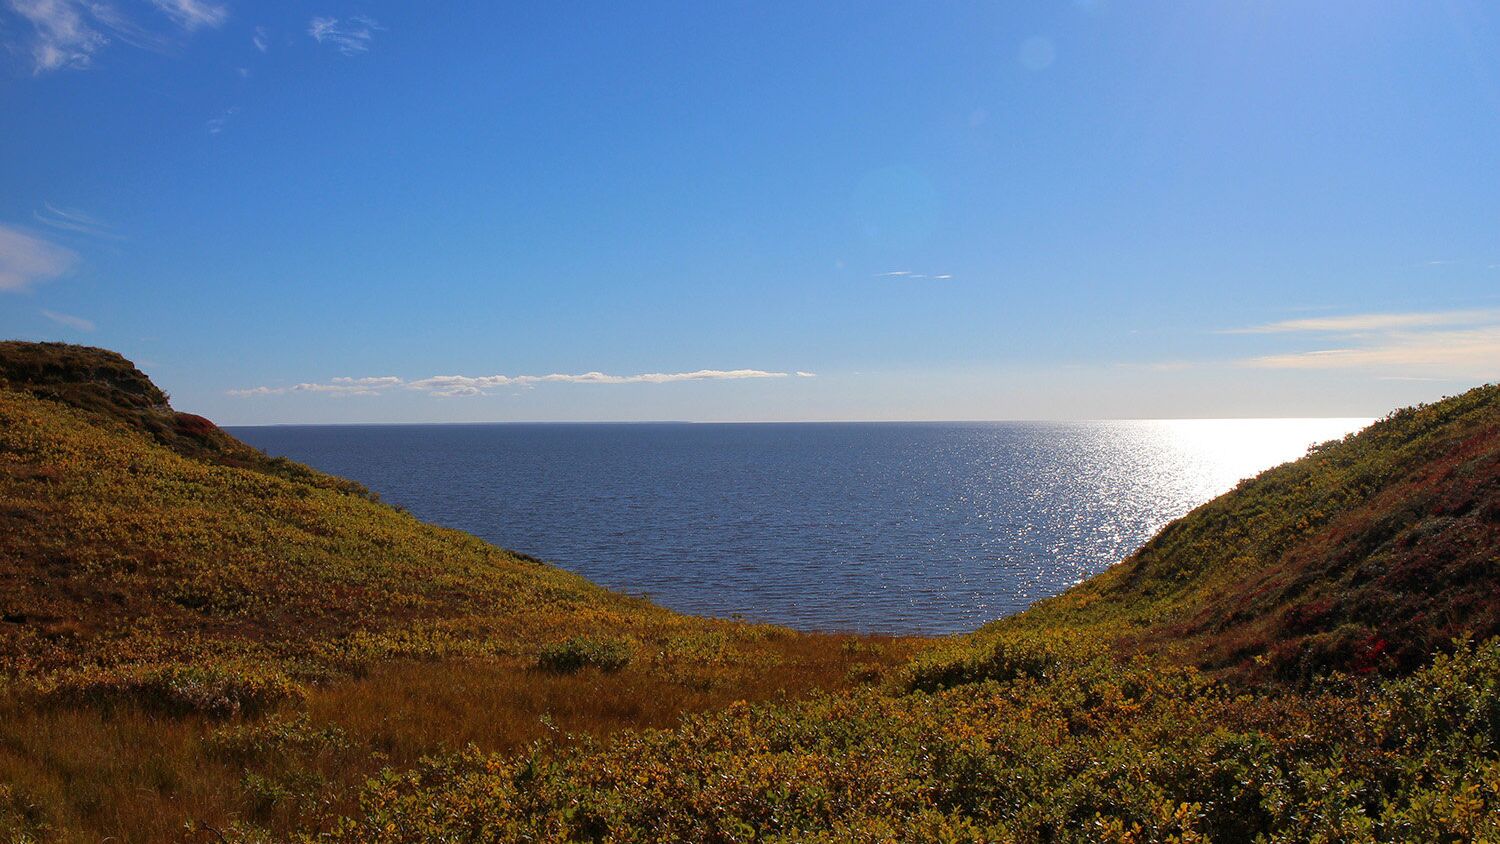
x,y
293,212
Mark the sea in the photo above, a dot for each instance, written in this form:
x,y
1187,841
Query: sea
x,y
873,527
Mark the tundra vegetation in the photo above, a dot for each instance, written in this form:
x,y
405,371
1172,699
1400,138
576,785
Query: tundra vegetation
x,y
201,643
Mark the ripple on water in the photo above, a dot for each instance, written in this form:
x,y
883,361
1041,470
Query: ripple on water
x,y
909,527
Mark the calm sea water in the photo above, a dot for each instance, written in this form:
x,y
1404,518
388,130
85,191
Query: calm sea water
x,y
899,527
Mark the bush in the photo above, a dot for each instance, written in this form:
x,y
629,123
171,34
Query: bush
x,y
605,654
275,737
1006,658
219,691
1070,751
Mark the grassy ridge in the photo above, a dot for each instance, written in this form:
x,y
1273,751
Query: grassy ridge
x,y
159,580
120,552
124,551
110,390
1370,554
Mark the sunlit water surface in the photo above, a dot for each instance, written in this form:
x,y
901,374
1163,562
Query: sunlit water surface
x,y
902,527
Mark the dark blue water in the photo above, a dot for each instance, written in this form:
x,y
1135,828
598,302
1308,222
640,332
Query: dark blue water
x,y
902,527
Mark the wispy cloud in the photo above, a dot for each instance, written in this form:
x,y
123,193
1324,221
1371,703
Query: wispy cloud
x,y
192,14
351,37
913,275
216,124
1456,345
336,387
74,220
446,382
67,34
258,391
375,381
1370,322
26,260
476,385
801,374
259,39
69,320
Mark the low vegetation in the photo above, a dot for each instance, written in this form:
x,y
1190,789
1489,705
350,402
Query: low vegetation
x,y
201,643
584,651
1367,556
1055,747
159,583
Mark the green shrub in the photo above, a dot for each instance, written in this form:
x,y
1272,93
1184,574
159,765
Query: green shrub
x,y
219,691
1455,698
275,737
1005,658
605,654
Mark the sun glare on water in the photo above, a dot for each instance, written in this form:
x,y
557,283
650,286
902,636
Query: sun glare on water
x,y
1216,454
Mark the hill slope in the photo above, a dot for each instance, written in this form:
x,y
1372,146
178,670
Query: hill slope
x,y
110,390
1088,718
119,549
158,577
1369,554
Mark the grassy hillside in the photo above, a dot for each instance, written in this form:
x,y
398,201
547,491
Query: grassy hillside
x,y
1227,683
159,579
110,390
1368,555
201,643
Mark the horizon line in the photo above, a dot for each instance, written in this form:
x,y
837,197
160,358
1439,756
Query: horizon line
x,y
810,421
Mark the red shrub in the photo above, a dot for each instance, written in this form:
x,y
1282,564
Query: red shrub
x,y
193,425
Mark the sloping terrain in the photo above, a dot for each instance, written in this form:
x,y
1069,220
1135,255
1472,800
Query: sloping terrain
x,y
109,389
1368,555
120,551
1288,663
157,576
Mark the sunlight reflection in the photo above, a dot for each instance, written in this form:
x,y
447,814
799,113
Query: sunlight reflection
x,y
1218,453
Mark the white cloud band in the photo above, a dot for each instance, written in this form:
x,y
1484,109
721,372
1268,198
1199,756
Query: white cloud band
x,y
1457,345
458,386
908,274
1371,322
